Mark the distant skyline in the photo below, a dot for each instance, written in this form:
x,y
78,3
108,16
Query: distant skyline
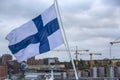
x,y
89,24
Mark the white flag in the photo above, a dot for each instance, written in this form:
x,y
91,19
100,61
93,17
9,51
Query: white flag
x,y
37,36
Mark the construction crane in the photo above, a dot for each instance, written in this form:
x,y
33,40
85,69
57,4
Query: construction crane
x,y
77,52
115,42
91,58
111,43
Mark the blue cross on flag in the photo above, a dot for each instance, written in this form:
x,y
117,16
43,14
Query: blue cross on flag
x,y
37,36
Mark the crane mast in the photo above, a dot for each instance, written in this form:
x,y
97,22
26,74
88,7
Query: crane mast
x,y
76,55
115,42
91,58
111,43
77,52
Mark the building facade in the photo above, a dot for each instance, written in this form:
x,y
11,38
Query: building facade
x,y
6,58
3,71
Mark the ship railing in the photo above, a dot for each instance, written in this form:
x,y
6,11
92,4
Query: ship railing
x,y
85,78
99,78
93,78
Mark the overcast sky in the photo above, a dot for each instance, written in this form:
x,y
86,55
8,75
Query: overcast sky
x,y
89,24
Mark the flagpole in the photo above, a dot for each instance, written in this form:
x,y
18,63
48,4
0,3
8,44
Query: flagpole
x,y
65,40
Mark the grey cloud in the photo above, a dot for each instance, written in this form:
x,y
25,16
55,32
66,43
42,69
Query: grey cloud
x,y
97,24
84,33
77,6
111,2
0,21
21,8
84,21
89,22
103,12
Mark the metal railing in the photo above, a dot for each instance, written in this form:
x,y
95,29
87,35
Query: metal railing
x,y
85,78
99,78
82,78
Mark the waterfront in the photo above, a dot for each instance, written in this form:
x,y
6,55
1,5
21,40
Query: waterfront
x,y
34,76
34,68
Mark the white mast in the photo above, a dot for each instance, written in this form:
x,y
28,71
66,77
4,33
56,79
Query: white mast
x,y
65,40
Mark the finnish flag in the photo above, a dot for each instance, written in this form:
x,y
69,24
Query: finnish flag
x,y
37,36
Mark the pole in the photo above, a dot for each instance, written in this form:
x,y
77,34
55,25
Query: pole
x,y
76,61
110,50
65,41
52,77
91,62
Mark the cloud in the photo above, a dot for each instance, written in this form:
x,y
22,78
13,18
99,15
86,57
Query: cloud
x,y
77,6
111,2
90,24
98,16
22,8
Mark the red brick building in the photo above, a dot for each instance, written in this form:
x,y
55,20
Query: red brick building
x,y
33,61
3,71
14,65
6,58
